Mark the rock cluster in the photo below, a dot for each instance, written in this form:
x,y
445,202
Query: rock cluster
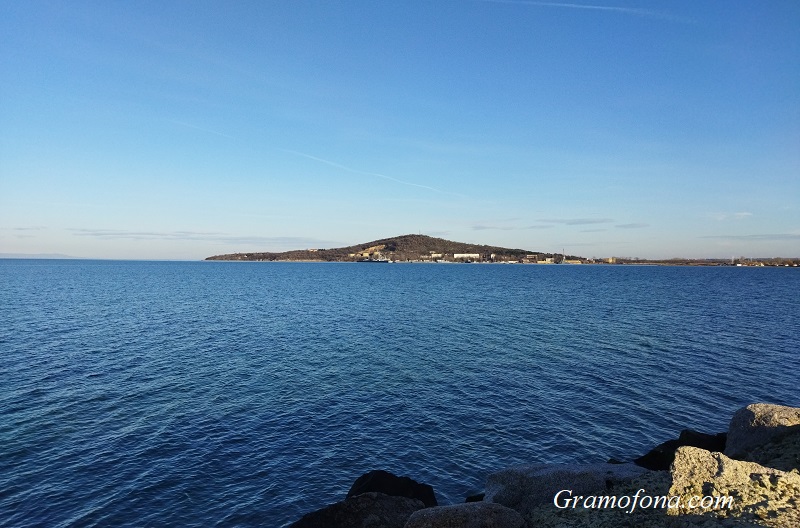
x,y
467,515
660,457
379,499
758,492
527,488
759,424
755,465
368,510
384,482
759,469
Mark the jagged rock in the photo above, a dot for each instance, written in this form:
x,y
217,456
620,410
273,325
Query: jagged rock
x,y
781,453
468,515
660,457
709,442
526,487
368,510
477,497
769,496
758,424
389,484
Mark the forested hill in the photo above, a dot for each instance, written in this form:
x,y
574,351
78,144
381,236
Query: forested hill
x,y
399,248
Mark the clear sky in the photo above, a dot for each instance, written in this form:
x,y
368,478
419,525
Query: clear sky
x,y
183,129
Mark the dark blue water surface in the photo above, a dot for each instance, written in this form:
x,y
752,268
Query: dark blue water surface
x,y
246,394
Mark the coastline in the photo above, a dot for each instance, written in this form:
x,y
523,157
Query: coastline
x,y
699,264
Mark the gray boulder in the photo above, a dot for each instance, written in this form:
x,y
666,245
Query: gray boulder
x,y
660,457
469,515
758,424
368,510
769,496
384,482
526,487
781,453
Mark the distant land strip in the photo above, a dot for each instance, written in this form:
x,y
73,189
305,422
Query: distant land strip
x,y
423,248
405,248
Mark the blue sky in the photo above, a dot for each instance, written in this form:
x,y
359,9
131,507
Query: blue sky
x,y
179,130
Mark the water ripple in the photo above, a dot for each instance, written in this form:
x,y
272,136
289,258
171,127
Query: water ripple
x,y
200,394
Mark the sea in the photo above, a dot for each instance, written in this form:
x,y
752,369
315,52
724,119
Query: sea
x,y
222,394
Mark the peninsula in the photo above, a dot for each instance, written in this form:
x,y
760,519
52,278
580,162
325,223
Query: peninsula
x,y
423,248
406,248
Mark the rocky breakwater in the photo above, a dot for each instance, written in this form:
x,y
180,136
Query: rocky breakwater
x,y
755,467
759,469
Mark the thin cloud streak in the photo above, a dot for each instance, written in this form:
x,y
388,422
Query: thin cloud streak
x,y
491,228
482,227
576,221
724,216
203,236
374,174
615,9
775,236
145,235
637,225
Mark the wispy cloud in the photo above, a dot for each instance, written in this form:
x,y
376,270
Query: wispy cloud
x,y
765,236
593,230
607,8
24,231
727,216
636,225
577,221
497,228
483,227
145,235
204,236
372,174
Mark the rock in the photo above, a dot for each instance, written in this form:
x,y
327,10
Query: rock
x,y
781,453
758,424
709,442
660,457
477,497
769,496
526,487
468,515
384,482
368,510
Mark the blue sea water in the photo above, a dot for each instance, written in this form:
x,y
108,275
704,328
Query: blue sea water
x,y
247,394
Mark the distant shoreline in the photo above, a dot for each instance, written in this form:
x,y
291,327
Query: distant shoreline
x,y
426,249
699,263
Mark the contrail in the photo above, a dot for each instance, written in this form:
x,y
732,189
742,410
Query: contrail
x,y
616,9
364,173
